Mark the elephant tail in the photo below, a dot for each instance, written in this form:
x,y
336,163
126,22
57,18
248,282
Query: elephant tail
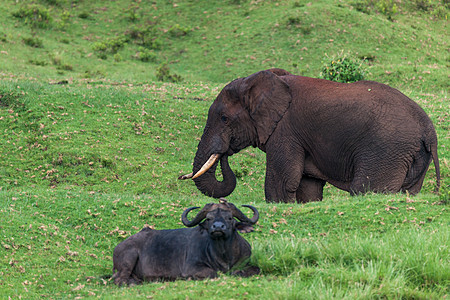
x,y
431,145
433,149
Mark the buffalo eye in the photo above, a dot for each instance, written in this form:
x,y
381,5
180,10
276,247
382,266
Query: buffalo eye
x,y
224,119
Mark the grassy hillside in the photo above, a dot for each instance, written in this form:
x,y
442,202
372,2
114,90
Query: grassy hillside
x,y
220,40
102,104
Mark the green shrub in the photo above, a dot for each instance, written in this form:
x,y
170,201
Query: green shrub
x,y
440,12
293,20
298,4
146,36
386,7
342,69
424,5
58,60
133,13
93,74
3,38
117,57
33,42
65,18
83,15
53,2
163,74
177,30
301,22
35,15
146,55
65,67
38,62
444,195
112,46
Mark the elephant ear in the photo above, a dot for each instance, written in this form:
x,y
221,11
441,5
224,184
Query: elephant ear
x,y
267,98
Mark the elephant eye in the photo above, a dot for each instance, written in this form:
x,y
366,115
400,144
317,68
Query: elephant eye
x,y
224,119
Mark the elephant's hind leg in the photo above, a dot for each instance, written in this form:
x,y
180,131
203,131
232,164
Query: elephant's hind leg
x,y
310,189
416,173
378,180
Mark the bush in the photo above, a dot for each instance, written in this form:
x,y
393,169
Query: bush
x,y
146,36
58,60
35,15
301,22
440,12
163,74
83,15
385,7
424,5
112,45
342,69
146,55
117,57
177,30
65,19
133,13
38,62
3,38
33,42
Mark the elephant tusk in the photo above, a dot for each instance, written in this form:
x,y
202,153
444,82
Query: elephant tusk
x,y
211,161
187,176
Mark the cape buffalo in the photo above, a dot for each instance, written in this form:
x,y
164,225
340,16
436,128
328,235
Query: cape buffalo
x,y
211,244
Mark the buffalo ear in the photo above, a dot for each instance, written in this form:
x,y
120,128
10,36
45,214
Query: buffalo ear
x,y
244,227
266,97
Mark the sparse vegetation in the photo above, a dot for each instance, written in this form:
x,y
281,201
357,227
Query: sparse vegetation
x,y
163,73
177,30
111,45
91,148
36,16
385,7
34,42
146,55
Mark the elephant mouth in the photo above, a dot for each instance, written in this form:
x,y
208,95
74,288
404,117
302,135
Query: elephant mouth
x,y
206,166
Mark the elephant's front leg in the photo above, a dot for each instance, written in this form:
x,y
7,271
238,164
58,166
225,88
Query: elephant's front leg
x,y
284,170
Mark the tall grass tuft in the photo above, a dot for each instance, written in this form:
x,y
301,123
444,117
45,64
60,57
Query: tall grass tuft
x,y
387,266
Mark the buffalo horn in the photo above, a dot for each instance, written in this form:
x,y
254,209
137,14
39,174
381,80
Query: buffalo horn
x,y
242,217
211,161
198,218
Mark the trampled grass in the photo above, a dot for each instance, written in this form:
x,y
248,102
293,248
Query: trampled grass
x,y
92,147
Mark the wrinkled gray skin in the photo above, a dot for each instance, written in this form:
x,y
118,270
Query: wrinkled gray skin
x,y
360,137
197,252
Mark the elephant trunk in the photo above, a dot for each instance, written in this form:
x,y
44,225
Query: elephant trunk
x,y
208,184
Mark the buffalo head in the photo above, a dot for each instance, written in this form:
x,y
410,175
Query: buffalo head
x,y
218,219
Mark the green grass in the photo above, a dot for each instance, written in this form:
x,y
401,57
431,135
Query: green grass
x,y
371,246
93,143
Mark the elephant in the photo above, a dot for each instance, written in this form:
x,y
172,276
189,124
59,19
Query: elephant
x,y
360,137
